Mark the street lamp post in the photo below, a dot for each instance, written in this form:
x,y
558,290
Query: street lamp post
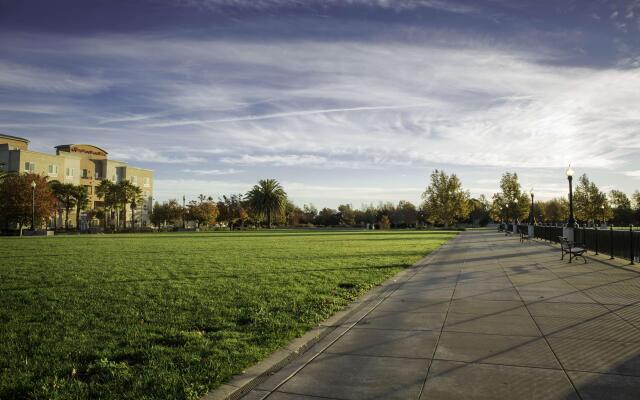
x,y
571,223
603,221
515,216
33,205
184,208
532,220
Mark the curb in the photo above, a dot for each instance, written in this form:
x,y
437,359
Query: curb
x,y
310,344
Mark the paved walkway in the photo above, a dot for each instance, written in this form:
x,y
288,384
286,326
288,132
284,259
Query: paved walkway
x,y
485,318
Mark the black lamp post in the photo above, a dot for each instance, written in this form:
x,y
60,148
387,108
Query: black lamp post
x,y
532,220
515,212
571,223
33,205
184,208
602,207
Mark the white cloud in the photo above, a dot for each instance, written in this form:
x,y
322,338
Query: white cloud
x,y
319,5
632,174
364,193
31,78
229,171
32,108
300,192
152,156
277,160
460,106
165,189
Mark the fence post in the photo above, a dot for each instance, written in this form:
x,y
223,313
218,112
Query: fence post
x,y
631,252
596,233
611,242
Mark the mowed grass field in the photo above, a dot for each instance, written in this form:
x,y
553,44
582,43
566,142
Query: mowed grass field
x,y
171,316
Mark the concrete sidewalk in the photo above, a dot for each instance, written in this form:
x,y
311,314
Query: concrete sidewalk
x,y
486,318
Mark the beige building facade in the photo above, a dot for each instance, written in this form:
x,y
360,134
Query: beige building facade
x,y
78,164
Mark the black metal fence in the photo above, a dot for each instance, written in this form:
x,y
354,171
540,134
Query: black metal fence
x,y
616,243
548,233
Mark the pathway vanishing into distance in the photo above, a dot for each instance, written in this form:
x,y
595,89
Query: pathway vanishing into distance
x,y
486,317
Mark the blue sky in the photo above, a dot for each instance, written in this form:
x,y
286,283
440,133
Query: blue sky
x,y
342,101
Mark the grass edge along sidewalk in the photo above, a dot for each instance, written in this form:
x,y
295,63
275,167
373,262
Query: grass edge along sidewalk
x,y
318,338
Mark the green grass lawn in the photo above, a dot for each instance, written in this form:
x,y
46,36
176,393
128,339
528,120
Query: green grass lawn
x,y
161,316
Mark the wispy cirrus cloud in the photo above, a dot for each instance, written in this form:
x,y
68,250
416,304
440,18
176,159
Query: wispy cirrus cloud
x,y
289,160
152,156
301,192
320,5
229,171
48,80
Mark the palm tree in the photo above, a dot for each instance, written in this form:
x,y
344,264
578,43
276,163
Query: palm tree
x,y
106,191
81,198
267,197
125,193
136,198
64,194
55,187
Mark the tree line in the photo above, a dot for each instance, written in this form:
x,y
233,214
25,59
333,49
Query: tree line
x,y
591,204
444,203
265,204
54,200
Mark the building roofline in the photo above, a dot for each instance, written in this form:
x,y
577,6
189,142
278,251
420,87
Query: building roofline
x,y
81,144
75,156
4,136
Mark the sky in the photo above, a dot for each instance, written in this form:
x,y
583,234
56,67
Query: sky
x,y
352,101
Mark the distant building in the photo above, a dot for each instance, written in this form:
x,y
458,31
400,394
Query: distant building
x,y
79,164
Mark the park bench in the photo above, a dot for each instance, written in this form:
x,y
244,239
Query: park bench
x,y
572,249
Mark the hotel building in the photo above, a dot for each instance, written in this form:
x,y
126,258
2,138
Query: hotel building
x,y
79,164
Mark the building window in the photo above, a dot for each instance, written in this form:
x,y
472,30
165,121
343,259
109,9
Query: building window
x,y
147,181
134,180
29,166
70,172
85,173
53,170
